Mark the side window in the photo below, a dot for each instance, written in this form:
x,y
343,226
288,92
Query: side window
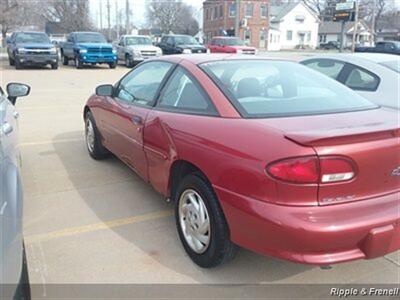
x,y
121,41
170,41
329,67
141,84
181,93
363,80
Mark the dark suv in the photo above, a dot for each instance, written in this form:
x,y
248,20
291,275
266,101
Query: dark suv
x,y
180,44
31,48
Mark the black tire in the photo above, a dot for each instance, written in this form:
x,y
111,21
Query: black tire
x,y
23,291
98,151
113,65
11,61
65,60
129,61
18,65
78,63
54,66
220,249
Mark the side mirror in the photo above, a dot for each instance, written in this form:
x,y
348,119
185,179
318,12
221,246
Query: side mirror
x,y
15,90
105,90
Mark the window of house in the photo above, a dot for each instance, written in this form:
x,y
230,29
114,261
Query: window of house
x,y
221,11
183,94
215,12
207,14
270,37
289,35
232,10
264,11
249,10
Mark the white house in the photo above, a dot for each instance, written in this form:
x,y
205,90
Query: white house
x,y
292,25
331,31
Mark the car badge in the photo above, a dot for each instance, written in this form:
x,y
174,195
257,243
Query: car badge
x,y
396,172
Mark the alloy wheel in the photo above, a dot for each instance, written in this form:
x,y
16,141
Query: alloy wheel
x,y
90,135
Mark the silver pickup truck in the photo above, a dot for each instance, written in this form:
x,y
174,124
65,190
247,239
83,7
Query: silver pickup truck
x,y
133,49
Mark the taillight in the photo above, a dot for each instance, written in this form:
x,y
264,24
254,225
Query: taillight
x,y
335,169
311,169
296,170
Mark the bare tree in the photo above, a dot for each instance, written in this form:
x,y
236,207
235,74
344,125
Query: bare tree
x,y
15,13
171,16
315,5
72,15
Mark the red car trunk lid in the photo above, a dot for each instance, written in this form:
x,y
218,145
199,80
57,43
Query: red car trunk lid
x,y
371,139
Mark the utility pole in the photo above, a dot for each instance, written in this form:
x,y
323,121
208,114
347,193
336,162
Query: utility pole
x,y
109,19
237,18
373,20
117,18
127,18
101,13
355,28
342,36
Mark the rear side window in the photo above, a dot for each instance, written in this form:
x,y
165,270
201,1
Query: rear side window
x,y
329,67
362,80
267,88
182,93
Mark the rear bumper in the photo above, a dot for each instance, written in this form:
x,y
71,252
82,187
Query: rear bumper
x,y
37,59
98,58
318,235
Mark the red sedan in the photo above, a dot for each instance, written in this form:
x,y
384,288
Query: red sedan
x,y
223,44
264,154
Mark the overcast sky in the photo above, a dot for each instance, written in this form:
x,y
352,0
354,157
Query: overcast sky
x,y
138,8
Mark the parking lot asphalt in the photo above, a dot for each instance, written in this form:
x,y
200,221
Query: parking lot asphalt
x,y
92,221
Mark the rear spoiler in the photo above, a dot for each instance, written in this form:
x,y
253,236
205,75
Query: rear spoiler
x,y
320,139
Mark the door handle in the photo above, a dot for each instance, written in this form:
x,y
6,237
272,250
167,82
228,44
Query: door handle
x,y
7,128
137,120
16,115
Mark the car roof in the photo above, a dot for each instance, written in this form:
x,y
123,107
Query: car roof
x,y
358,56
135,35
41,32
203,58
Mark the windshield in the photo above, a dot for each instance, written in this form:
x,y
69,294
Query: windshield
x,y
264,88
137,41
37,38
185,40
231,42
393,65
90,38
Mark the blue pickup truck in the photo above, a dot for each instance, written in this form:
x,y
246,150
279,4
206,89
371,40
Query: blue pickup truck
x,y
88,48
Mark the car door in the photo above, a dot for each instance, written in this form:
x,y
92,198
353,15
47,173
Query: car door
x,y
212,46
170,45
182,103
134,97
121,48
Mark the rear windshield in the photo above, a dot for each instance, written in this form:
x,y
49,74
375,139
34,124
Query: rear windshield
x,y
265,88
37,38
90,38
393,65
230,42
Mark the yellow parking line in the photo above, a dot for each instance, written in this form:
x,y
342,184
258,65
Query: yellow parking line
x,y
97,226
50,142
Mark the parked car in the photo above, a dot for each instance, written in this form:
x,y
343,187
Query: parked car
x,y
31,48
389,47
265,154
88,48
180,44
58,38
329,45
224,44
133,49
372,75
14,279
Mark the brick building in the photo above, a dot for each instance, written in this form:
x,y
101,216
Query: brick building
x,y
219,19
